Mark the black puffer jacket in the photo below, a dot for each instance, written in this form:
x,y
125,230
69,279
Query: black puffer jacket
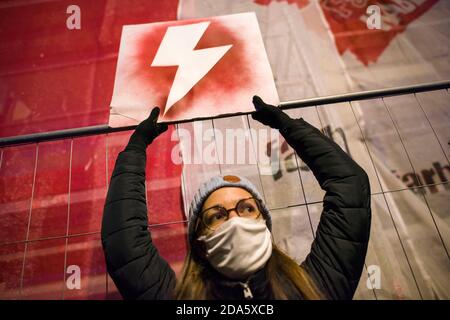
x,y
337,254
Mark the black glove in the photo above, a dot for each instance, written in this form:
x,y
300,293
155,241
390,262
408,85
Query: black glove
x,y
269,115
146,132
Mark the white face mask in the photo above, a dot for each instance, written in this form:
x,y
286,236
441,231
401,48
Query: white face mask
x,y
239,247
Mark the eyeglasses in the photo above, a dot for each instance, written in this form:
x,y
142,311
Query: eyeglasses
x,y
213,217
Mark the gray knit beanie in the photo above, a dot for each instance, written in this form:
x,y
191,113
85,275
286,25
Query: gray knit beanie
x,y
212,185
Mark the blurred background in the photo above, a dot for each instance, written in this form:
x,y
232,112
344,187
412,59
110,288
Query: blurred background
x,y
52,193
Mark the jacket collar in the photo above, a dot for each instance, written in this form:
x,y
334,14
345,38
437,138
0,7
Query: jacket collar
x,y
255,286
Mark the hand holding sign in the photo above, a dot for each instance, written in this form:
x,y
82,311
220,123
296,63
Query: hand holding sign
x,y
146,132
267,114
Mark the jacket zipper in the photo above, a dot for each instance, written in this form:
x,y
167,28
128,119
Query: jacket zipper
x,y
247,292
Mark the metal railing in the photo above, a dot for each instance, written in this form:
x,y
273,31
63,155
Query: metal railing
x,y
101,129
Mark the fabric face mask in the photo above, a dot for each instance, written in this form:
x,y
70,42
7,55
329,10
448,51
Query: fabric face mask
x,y
239,247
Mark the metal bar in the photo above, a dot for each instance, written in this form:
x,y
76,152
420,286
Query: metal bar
x,y
364,95
347,97
60,134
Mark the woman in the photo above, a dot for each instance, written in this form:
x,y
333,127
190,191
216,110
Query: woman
x,y
231,253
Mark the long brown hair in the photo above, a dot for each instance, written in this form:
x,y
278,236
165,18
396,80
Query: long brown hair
x,y
281,270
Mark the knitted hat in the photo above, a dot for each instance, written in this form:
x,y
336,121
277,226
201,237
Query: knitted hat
x,y
212,185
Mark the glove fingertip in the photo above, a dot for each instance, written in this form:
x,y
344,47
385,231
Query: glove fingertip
x,y
155,113
257,102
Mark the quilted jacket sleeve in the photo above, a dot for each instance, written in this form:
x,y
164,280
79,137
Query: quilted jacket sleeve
x,y
132,260
338,252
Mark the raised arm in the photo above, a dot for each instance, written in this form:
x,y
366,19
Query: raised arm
x,y
338,252
132,260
